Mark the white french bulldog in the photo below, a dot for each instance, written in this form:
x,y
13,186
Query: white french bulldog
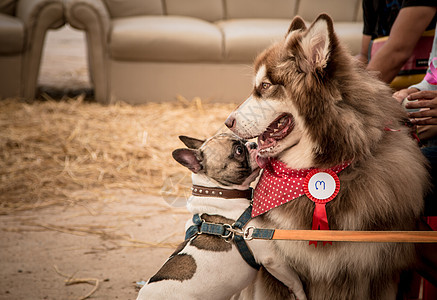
x,y
210,266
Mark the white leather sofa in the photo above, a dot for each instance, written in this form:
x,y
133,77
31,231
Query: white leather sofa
x,y
23,25
154,50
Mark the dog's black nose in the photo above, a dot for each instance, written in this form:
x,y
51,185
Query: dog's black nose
x,y
251,145
230,122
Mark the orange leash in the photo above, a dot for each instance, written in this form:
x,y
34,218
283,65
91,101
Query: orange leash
x,y
357,236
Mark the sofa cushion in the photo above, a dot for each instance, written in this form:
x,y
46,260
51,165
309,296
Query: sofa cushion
x,y
123,8
209,10
165,38
339,10
11,35
8,7
246,38
236,9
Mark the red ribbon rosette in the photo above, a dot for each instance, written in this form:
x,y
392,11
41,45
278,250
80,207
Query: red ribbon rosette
x,y
321,186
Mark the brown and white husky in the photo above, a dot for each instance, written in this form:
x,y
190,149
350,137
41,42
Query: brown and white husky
x,y
313,106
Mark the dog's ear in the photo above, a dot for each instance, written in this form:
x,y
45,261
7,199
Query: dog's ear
x,y
190,142
316,43
188,158
297,24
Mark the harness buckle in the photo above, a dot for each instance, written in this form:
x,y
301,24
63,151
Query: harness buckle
x,y
199,232
230,236
248,233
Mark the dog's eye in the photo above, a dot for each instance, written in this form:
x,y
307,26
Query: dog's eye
x,y
265,85
239,150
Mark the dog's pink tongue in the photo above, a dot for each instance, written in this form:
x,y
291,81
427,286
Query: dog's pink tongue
x,y
262,161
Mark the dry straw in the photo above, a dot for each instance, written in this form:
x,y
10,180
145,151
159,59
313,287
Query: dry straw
x,y
50,150
72,280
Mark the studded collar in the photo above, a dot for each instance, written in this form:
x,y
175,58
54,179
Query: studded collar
x,y
203,191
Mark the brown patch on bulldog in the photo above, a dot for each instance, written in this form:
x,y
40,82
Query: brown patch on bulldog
x,y
212,242
179,267
179,248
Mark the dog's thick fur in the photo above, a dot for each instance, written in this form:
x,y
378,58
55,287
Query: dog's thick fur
x,y
340,114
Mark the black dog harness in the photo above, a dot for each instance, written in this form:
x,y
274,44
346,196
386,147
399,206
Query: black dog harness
x,y
230,232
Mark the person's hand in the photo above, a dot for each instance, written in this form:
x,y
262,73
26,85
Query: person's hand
x,y
427,103
402,94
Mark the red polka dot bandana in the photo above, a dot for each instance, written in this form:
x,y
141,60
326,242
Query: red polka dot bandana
x,y
279,184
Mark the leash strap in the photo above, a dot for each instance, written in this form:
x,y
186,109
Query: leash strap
x,y
259,233
307,235
357,236
252,232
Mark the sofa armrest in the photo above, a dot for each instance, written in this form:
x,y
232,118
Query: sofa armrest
x,y
88,15
40,15
29,12
37,16
93,17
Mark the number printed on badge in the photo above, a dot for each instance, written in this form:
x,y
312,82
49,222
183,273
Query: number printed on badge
x,y
322,185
